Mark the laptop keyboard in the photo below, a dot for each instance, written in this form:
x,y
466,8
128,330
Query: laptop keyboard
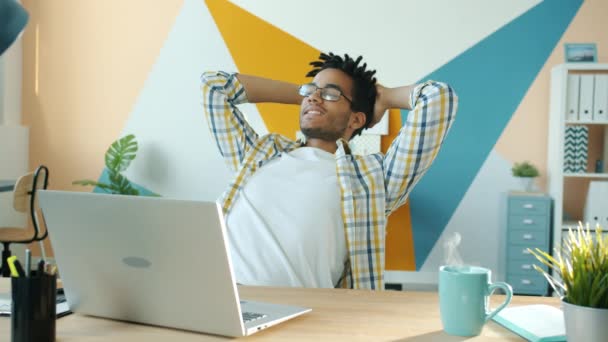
x,y
252,316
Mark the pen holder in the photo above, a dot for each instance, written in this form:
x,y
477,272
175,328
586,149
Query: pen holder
x,y
33,308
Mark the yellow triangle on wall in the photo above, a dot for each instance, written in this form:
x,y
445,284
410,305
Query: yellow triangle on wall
x,y
261,49
400,249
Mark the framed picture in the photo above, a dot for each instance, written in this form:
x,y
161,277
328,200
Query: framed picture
x,y
576,53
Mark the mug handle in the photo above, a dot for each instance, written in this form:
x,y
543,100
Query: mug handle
x,y
508,290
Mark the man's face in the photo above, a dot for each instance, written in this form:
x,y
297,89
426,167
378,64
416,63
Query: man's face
x,y
323,119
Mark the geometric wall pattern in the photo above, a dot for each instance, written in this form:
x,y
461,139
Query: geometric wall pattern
x,y
491,78
491,61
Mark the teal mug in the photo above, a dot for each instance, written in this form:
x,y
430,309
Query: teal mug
x,y
464,293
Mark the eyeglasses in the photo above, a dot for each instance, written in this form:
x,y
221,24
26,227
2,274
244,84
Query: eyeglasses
x,y
328,93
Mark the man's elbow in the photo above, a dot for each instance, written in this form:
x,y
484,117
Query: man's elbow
x,y
442,92
215,80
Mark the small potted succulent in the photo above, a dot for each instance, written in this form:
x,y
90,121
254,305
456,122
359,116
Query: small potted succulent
x,y
526,172
580,277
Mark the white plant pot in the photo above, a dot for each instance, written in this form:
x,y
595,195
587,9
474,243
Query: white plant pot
x,y
585,324
526,183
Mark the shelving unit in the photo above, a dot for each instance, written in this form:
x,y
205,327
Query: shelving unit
x,y
560,117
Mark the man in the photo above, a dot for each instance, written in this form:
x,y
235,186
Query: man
x,y
308,212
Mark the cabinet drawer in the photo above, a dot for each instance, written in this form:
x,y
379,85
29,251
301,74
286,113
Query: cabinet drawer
x,y
517,252
524,267
526,222
533,284
527,238
528,206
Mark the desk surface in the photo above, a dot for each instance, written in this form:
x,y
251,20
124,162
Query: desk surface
x,y
338,315
6,185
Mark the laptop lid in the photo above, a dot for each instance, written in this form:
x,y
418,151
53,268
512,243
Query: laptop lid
x,y
144,259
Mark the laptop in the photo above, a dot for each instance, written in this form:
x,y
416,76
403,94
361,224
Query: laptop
x,y
151,260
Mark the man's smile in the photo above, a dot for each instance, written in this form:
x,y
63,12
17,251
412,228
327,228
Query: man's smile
x,y
313,111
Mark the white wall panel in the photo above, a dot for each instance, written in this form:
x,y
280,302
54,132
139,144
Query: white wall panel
x,y
413,37
480,219
178,157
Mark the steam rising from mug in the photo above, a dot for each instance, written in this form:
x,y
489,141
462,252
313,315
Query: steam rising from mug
x,y
452,257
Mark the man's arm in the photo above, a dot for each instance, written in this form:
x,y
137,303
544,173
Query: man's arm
x,y
388,98
222,92
433,109
261,89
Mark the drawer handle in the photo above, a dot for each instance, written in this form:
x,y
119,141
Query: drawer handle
x,y
528,206
527,236
526,266
526,251
526,282
528,221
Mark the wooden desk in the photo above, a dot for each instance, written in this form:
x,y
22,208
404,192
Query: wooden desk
x,y
338,315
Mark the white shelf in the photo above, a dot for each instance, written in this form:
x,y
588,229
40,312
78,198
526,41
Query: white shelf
x,y
574,122
586,175
558,107
574,224
569,224
583,67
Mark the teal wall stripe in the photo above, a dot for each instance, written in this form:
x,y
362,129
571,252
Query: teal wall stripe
x,y
104,178
491,78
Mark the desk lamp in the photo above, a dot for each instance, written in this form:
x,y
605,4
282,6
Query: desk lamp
x,y
13,19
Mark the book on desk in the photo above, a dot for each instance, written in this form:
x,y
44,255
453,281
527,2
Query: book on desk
x,y
535,323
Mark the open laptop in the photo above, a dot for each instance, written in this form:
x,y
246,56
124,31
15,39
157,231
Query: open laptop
x,y
151,260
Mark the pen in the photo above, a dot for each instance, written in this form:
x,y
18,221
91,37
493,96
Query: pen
x,y
12,265
50,269
40,267
20,270
28,262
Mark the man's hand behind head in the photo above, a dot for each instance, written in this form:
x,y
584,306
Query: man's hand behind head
x,y
380,106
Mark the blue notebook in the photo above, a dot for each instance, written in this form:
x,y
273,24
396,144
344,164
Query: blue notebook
x,y
535,323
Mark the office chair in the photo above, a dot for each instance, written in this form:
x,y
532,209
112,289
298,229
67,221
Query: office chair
x,y
24,200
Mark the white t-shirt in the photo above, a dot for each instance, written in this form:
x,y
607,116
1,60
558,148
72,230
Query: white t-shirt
x,y
286,228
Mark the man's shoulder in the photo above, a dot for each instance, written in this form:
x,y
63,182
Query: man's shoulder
x,y
278,141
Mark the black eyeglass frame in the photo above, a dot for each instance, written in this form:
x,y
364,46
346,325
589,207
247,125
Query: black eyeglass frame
x,y
302,93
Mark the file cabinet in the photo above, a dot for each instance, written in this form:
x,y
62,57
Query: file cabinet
x,y
528,226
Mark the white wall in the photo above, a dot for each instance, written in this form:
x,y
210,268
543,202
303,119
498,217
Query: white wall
x,y
14,138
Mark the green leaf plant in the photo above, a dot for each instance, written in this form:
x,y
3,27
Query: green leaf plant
x,y
524,169
580,267
118,157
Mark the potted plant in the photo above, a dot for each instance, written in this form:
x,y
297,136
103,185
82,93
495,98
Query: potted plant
x,y
526,172
580,277
118,157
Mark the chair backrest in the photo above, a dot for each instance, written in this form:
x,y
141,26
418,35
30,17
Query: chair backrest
x,y
22,192
24,196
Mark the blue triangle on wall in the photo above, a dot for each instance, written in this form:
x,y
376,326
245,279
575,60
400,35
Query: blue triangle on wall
x,y
490,78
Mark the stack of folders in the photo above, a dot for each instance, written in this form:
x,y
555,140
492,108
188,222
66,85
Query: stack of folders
x,y
535,323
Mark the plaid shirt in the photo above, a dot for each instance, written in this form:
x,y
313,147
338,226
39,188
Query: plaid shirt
x,y
372,186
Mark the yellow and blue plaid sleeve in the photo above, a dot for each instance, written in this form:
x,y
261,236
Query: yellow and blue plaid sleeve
x,y
234,136
413,151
